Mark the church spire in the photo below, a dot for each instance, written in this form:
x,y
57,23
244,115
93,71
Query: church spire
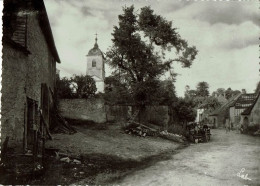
x,y
96,45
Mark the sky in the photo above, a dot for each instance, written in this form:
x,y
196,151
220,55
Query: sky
x,y
226,34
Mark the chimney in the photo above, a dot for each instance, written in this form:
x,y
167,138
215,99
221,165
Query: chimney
x,y
243,91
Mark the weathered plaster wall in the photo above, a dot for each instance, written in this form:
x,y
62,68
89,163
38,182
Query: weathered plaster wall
x,y
91,109
13,93
255,113
95,71
22,77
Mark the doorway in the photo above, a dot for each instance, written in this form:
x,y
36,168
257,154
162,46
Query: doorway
x,y
30,124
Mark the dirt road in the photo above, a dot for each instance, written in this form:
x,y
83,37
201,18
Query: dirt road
x,y
223,161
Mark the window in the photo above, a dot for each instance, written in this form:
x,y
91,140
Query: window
x,y
94,63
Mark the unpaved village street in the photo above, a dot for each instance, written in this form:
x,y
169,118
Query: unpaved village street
x,y
215,163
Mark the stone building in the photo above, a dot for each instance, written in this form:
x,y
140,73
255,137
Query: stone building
x,y
28,71
231,111
96,66
218,117
237,108
251,115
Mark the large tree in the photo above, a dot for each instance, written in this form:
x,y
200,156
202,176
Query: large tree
x,y
140,44
202,89
184,110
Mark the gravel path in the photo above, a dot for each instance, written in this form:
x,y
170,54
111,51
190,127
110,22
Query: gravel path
x,y
215,163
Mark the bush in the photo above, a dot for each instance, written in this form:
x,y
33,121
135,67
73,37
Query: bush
x,y
177,129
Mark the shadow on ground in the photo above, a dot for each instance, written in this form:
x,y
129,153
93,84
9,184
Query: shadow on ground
x,y
93,169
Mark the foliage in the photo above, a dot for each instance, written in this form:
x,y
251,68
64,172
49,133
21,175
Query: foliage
x,y
230,93
257,90
140,44
218,92
83,86
116,92
160,92
167,93
209,103
178,129
201,98
75,87
63,88
184,110
202,89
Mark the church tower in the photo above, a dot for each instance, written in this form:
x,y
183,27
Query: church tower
x,y
96,66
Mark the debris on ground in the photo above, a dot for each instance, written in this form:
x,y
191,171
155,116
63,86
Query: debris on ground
x,y
67,159
141,130
173,137
62,126
257,133
76,161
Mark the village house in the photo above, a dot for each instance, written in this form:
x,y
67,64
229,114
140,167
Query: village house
x,y
218,117
237,108
28,76
203,113
251,115
230,112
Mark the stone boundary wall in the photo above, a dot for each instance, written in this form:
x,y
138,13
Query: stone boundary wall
x,y
83,109
95,110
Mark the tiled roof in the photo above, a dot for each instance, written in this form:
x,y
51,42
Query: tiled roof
x,y
15,22
249,109
245,101
225,106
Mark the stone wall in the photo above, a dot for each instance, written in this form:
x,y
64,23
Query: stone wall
x,y
255,113
115,113
96,110
22,76
91,109
13,93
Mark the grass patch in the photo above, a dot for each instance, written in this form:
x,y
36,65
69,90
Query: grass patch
x,y
87,124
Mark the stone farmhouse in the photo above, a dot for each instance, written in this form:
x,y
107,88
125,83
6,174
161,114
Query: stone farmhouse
x,y
251,115
231,111
237,108
28,75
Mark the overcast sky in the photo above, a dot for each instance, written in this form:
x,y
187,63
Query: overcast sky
x,y
225,33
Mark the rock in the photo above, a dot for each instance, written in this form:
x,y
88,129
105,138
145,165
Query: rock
x,y
66,159
76,161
